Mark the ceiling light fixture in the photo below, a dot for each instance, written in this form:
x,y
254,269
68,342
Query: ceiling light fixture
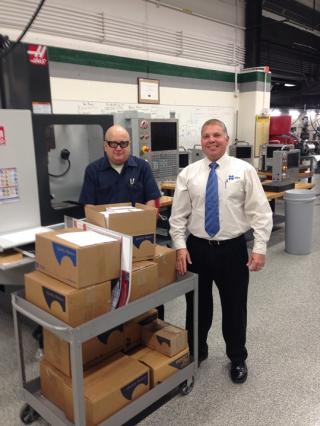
x,y
289,84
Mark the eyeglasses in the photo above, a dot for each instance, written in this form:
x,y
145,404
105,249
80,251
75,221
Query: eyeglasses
x,y
122,144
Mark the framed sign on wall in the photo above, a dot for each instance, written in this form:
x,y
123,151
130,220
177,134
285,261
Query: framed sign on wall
x,y
148,91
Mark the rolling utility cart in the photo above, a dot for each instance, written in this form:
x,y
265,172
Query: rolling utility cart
x,y
37,405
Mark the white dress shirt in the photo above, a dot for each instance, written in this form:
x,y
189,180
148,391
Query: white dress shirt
x,y
242,203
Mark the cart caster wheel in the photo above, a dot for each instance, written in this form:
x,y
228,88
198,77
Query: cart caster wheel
x,y
28,415
185,389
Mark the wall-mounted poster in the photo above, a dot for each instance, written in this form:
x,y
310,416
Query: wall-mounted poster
x,y
148,91
261,133
8,185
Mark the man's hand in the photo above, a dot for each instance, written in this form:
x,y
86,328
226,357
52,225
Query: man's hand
x,y
256,261
182,258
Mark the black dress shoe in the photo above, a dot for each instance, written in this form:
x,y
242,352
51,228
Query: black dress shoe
x,y
202,357
239,372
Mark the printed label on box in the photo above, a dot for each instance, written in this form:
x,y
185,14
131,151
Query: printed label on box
x,y
127,390
181,362
51,296
139,239
63,251
103,337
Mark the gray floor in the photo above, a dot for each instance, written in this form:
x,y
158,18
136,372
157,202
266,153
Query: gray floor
x,y
283,386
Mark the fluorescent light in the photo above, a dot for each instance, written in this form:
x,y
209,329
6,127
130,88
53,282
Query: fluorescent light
x,y
289,85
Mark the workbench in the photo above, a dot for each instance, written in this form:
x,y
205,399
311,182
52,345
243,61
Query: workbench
x,y
169,187
301,175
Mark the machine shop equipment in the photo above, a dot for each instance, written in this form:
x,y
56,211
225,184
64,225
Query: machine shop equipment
x,y
285,166
242,150
196,153
266,154
154,139
184,157
42,183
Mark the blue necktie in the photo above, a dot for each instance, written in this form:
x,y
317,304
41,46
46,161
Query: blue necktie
x,y
212,224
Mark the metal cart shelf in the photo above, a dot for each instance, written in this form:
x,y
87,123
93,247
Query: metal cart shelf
x,y
76,336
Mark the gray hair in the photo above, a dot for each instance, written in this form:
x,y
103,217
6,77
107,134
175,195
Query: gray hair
x,y
213,121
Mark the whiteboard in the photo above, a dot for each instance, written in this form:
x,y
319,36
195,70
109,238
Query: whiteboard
x,y
191,117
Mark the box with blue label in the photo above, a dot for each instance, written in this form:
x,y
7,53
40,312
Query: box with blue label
x,y
57,351
138,221
73,306
107,387
161,366
112,387
164,337
78,258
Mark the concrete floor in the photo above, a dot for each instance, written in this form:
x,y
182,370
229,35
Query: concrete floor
x,y
283,340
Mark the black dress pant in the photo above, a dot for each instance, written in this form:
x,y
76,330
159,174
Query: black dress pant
x,y
225,264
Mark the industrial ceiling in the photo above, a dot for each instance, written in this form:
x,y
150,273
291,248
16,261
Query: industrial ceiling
x,y
284,34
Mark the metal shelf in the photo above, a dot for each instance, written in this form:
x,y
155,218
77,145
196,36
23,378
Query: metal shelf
x,y
76,336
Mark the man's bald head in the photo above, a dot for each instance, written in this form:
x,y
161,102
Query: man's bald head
x,y
118,155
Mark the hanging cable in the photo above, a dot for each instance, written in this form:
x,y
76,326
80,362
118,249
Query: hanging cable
x,y
64,155
13,45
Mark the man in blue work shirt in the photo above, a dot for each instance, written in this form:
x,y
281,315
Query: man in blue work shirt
x,y
118,177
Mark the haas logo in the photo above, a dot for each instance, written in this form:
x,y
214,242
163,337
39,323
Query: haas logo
x,y
37,54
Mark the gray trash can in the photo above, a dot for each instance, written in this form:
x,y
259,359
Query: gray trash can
x,y
299,204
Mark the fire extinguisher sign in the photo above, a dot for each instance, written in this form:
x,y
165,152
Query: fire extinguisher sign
x,y
2,136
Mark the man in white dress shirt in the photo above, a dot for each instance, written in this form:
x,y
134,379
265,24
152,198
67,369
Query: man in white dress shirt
x,y
223,257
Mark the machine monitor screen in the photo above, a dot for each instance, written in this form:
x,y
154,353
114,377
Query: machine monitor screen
x,y
163,136
293,159
243,151
271,149
183,159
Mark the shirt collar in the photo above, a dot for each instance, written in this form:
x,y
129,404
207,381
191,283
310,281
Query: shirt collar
x,y
131,162
222,160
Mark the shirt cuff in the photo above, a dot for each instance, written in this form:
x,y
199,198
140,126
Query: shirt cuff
x,y
179,244
259,247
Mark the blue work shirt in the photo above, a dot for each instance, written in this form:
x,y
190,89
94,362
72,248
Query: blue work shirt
x,y
104,185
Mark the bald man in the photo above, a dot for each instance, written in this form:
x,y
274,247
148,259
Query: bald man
x,y
118,177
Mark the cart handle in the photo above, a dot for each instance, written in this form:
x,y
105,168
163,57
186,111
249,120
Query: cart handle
x,y
37,319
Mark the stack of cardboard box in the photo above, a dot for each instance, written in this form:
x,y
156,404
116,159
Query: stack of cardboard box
x,y
73,283
164,351
153,265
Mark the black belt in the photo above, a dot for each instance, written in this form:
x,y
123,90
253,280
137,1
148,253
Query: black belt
x,y
217,243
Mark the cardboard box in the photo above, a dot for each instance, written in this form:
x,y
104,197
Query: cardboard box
x,y
166,259
140,224
132,329
164,337
161,366
76,265
112,387
57,351
144,279
52,384
10,256
70,305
